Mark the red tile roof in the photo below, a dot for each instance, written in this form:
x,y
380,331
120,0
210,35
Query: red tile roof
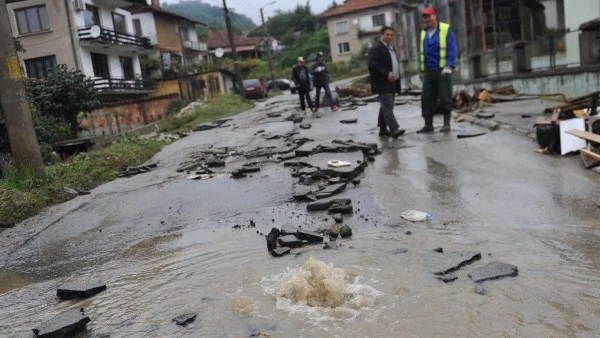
x,y
218,39
351,6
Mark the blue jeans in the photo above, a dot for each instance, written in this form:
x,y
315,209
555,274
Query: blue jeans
x,y
327,93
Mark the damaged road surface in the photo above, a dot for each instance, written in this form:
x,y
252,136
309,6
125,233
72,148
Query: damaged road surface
x,y
340,262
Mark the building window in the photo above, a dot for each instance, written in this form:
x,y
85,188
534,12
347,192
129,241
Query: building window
x,y
137,27
379,20
185,34
341,27
91,16
38,68
119,23
32,19
127,66
100,65
344,47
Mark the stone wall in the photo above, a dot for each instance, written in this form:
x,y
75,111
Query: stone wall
x,y
126,116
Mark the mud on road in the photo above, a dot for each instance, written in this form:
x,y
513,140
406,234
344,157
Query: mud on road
x,y
166,245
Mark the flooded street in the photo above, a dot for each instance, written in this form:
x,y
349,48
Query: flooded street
x,y
165,245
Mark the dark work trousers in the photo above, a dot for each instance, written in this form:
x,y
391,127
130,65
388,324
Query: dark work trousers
x,y
304,94
386,113
437,88
327,92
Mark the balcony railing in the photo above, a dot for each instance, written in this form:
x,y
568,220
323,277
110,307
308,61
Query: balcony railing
x,y
123,85
195,45
105,35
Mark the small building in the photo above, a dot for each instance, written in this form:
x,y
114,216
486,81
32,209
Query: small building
x,y
246,46
356,24
97,38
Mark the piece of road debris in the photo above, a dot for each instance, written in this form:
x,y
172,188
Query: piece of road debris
x,y
79,290
449,278
346,232
133,171
349,121
493,270
305,126
526,116
415,216
470,135
75,191
486,115
350,108
65,324
186,318
338,164
444,263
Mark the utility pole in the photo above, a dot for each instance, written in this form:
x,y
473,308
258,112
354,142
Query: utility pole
x,y
238,69
262,16
21,133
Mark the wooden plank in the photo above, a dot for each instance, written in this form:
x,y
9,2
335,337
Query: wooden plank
x,y
590,154
585,135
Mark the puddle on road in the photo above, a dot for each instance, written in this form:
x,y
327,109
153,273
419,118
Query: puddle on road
x,y
13,280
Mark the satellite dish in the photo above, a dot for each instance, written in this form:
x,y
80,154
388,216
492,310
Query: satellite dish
x,y
355,21
95,31
219,52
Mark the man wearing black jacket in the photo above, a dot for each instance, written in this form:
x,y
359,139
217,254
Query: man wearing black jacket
x,y
301,77
385,81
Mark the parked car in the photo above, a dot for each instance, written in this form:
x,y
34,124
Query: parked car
x,y
281,84
254,89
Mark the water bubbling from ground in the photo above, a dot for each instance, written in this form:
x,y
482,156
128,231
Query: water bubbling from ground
x,y
321,291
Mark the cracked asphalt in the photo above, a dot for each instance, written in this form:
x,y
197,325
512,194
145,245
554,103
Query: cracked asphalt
x,y
165,245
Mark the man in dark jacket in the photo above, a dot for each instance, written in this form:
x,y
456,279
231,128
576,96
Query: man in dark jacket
x,y
301,78
321,78
385,81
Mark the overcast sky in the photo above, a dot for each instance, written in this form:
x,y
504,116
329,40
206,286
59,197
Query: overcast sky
x,y
251,8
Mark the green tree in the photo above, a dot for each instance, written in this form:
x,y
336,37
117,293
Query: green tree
x,y
64,95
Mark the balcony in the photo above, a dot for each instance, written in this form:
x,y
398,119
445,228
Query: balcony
x,y
195,46
96,35
124,86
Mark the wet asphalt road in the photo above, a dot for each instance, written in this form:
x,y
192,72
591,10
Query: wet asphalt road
x,y
164,244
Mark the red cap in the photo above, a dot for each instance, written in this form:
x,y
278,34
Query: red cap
x,y
428,11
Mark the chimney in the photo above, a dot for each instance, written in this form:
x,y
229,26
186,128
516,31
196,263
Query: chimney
x,y
156,3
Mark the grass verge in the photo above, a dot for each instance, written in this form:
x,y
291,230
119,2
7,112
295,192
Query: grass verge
x,y
212,109
24,194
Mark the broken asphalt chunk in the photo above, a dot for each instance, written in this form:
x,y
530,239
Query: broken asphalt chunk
x,y
290,241
309,236
346,232
272,239
274,114
338,218
281,251
341,206
470,135
79,290
303,193
63,325
493,270
442,264
349,121
334,189
305,126
288,229
449,278
185,318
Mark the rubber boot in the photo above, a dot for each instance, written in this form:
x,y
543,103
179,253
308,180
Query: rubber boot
x,y
447,118
428,128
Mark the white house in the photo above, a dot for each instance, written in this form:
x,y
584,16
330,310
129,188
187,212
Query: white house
x,y
95,37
